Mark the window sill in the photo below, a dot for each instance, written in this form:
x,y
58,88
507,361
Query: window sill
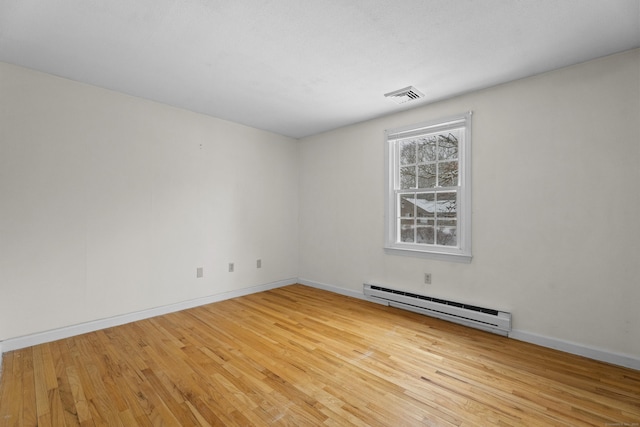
x,y
439,256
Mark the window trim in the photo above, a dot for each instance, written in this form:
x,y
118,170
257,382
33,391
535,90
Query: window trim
x,y
462,253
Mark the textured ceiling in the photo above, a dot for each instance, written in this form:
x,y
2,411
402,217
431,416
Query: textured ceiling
x,y
298,68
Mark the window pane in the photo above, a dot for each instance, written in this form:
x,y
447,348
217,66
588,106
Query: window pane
x,y
427,176
407,152
425,205
448,174
446,205
447,233
407,205
408,177
427,149
424,231
407,229
448,146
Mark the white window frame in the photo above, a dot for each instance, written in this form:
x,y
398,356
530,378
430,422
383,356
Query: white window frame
x,y
393,245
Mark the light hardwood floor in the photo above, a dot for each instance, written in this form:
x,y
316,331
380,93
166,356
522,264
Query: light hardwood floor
x,y
301,356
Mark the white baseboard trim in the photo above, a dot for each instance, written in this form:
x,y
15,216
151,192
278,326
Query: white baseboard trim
x,y
95,325
601,355
11,344
334,289
626,361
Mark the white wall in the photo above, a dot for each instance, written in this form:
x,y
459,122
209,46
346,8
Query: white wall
x,y
556,205
109,203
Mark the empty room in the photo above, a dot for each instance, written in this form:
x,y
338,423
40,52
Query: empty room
x,y
368,213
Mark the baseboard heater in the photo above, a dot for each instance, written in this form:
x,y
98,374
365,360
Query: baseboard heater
x,y
498,322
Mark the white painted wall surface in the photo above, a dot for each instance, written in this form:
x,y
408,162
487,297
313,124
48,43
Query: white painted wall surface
x,y
109,203
556,205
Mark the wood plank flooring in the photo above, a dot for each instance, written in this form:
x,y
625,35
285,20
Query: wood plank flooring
x,y
304,357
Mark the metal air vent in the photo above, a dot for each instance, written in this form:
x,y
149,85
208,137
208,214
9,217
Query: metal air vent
x,y
407,94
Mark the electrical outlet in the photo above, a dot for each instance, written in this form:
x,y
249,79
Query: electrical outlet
x,y
199,272
259,263
427,278
230,267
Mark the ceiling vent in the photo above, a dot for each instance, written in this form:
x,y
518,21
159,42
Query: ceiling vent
x,y
407,94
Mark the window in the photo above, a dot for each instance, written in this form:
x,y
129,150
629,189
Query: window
x,y
428,201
